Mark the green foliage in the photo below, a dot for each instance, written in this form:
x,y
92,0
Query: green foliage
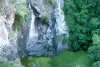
x,y
94,22
63,38
96,39
94,50
5,63
21,11
39,61
45,18
96,64
82,16
70,59
20,7
51,1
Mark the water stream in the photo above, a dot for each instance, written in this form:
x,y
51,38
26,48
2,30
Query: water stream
x,y
32,33
45,42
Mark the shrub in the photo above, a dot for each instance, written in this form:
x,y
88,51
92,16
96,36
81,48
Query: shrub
x,y
83,20
96,64
51,1
39,61
21,11
94,51
45,18
5,63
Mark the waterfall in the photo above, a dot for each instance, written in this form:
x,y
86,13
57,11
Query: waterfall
x,y
60,27
59,9
32,30
46,38
60,20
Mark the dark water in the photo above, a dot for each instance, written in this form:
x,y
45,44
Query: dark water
x,y
25,62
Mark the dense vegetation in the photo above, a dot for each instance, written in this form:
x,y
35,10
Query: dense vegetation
x,y
83,18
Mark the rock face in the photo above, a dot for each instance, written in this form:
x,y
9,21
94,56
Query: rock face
x,y
8,38
48,32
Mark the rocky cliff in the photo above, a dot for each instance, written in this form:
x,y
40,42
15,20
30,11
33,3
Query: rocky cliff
x,y
43,33
8,38
48,32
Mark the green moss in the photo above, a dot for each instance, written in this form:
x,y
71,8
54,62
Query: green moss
x,y
51,1
45,18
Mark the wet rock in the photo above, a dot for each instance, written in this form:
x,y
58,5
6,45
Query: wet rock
x,y
49,36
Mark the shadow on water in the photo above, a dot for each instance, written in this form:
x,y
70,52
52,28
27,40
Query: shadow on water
x,y
25,62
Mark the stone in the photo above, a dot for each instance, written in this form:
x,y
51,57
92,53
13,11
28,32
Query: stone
x,y
44,34
43,38
8,38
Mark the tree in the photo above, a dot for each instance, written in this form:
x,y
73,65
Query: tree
x,y
82,16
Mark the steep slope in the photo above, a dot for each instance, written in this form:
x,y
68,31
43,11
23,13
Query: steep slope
x,y
45,32
48,32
